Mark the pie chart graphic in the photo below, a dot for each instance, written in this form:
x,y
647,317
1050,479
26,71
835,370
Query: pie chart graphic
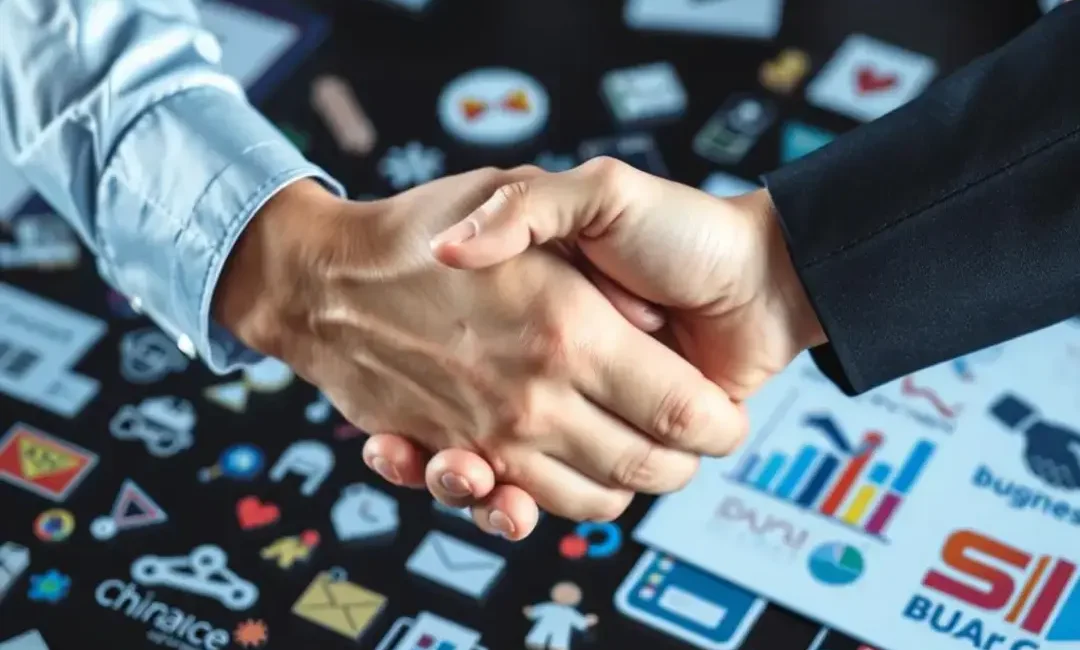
x,y
836,564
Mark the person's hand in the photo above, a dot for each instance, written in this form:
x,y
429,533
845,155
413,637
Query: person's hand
x,y
524,365
718,268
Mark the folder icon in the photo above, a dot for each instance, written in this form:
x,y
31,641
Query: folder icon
x,y
339,605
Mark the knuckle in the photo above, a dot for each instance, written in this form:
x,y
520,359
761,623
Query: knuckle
x,y
514,191
607,171
637,469
528,419
526,169
678,418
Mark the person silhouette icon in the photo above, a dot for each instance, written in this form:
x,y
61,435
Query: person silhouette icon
x,y
1052,451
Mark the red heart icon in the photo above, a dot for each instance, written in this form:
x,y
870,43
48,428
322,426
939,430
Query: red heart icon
x,y
253,513
870,81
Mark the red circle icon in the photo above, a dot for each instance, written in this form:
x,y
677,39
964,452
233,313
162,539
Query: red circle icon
x,y
573,547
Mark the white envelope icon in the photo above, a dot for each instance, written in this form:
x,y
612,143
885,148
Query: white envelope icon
x,y
456,564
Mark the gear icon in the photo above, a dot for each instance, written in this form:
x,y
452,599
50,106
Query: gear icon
x,y
51,586
251,633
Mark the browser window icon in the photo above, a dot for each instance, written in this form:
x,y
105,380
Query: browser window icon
x,y
687,603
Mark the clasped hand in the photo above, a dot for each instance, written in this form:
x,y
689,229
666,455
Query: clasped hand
x,y
481,341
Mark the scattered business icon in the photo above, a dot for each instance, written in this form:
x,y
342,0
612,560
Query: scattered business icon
x,y
318,411
867,79
828,639
49,587
724,185
287,551
14,560
133,508
493,107
554,163
644,93
637,150
784,73
592,539
687,603
267,376
202,572
910,387
798,140
252,512
413,164
148,355
54,525
1030,592
251,633
362,512
40,341
758,19
43,464
334,100
169,626
1051,450
309,458
841,485
41,241
734,129
429,632
836,564
239,462
30,640
555,621
164,424
456,564
339,605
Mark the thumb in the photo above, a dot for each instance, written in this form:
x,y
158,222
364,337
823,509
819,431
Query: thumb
x,y
527,213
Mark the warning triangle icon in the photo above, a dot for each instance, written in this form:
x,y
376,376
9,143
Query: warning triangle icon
x,y
233,395
135,508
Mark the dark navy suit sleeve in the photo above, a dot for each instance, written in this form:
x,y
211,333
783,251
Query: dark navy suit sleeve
x,y
950,224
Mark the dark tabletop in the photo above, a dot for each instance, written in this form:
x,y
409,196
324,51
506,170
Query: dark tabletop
x,y
398,63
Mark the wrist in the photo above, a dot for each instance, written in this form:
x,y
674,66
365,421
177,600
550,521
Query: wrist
x,y
255,297
801,321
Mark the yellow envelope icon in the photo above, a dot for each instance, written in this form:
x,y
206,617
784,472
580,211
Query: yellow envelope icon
x,y
339,605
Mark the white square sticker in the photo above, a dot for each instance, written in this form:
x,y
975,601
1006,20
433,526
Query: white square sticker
x,y
740,18
867,78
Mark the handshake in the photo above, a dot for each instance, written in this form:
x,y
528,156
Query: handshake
x,y
517,339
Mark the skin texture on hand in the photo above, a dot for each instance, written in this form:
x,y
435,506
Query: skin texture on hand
x,y
718,268
522,364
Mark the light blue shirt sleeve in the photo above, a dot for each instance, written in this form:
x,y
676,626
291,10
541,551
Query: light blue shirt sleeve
x,y
118,113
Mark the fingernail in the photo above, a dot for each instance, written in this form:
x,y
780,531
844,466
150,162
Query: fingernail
x,y
456,485
655,318
385,469
500,522
460,232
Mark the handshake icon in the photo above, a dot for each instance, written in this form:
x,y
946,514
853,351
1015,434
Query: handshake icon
x,y
1052,451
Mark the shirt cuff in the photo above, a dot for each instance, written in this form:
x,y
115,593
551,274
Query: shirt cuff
x,y
177,193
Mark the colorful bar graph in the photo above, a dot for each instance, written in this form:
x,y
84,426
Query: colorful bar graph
x,y
913,466
818,481
748,465
769,471
860,504
871,442
880,473
883,514
795,474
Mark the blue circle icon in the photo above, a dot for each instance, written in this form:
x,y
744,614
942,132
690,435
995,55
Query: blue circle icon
x,y
836,564
241,462
604,538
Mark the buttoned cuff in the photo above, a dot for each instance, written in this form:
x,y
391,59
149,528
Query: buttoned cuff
x,y
174,199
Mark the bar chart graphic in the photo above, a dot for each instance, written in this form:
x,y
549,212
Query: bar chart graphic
x,y
852,484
